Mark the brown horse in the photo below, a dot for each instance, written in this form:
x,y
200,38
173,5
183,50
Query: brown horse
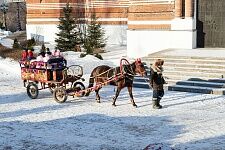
x,y
121,77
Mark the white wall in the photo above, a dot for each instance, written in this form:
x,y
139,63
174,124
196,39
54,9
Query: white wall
x,y
116,34
42,32
143,42
139,42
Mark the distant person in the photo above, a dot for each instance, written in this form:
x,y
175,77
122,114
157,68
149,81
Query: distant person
x,y
48,51
39,60
24,55
56,53
47,57
156,82
42,52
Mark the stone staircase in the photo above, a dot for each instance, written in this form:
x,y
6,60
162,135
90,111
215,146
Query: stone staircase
x,y
189,74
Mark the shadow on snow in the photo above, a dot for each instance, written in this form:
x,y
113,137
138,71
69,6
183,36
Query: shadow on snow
x,y
89,131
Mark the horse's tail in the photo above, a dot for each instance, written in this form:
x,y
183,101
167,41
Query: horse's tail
x,y
91,83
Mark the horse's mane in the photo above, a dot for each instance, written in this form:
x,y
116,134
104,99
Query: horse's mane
x,y
129,68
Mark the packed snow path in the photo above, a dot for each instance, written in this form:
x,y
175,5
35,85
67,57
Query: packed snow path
x,y
187,120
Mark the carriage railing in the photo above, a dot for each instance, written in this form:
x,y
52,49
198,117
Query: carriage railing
x,y
43,71
53,64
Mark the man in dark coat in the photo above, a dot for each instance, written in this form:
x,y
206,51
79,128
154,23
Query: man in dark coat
x,y
156,82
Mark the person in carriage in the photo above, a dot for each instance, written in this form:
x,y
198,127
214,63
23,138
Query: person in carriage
x,y
156,82
40,61
24,55
30,55
48,51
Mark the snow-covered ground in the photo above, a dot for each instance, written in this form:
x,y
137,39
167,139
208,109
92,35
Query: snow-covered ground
x,y
187,120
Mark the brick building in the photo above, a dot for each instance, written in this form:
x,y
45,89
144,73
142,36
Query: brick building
x,y
145,26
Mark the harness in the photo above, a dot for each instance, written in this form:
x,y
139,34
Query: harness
x,y
126,70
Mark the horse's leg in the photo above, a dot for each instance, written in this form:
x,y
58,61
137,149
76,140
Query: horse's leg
x,y
131,95
97,95
118,89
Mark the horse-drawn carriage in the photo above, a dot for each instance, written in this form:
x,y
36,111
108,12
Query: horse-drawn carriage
x,y
66,81
53,74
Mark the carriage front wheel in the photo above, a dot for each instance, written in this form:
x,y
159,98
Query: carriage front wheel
x,y
60,95
32,90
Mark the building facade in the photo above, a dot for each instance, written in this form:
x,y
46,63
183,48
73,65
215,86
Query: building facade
x,y
145,26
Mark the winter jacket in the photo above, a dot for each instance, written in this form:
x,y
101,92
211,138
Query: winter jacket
x,y
156,79
30,55
24,55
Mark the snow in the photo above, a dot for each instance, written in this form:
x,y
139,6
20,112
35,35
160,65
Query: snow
x,y
187,121
7,42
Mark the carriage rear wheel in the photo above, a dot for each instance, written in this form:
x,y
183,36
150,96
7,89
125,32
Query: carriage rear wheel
x,y
78,86
60,94
32,90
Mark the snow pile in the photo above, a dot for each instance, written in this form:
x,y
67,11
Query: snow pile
x,y
7,42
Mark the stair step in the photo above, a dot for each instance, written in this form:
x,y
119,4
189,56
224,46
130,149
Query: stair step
x,y
192,69
213,80
175,76
213,83
162,56
178,60
193,65
221,80
189,73
197,89
187,68
201,84
141,79
147,86
141,85
184,78
197,74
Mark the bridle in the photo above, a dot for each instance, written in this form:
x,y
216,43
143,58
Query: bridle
x,y
139,63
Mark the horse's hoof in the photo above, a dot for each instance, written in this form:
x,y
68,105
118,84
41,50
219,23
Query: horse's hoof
x,y
98,101
114,105
135,105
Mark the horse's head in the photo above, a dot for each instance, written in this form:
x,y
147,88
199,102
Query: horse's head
x,y
139,67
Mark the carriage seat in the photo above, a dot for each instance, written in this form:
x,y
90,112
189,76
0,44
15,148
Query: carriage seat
x,y
57,63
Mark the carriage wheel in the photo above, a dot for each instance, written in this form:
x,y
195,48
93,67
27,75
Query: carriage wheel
x,y
32,90
60,95
79,86
51,87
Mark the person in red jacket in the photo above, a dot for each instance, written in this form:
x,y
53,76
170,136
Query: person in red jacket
x,y
24,55
30,55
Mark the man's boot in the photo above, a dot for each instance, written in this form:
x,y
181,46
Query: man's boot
x,y
158,103
154,104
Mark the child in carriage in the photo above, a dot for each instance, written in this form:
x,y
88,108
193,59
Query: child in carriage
x,y
24,55
56,53
30,55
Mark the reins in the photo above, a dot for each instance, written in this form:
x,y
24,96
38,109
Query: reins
x,y
126,69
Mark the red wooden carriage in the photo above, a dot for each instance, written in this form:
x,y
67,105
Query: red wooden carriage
x,y
53,74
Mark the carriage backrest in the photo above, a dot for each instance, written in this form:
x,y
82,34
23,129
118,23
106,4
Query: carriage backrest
x,y
74,70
